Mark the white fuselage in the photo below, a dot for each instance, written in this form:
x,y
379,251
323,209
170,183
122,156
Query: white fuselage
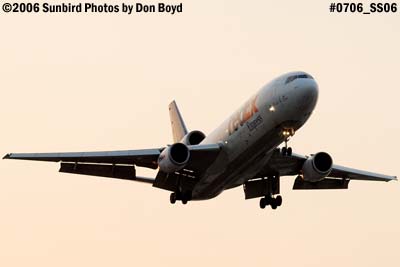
x,y
249,136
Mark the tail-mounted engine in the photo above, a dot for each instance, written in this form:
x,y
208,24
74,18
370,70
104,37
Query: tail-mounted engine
x,y
317,167
193,138
173,158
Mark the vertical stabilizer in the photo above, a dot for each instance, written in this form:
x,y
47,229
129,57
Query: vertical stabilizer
x,y
178,125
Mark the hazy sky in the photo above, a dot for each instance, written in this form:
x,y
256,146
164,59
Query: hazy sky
x,y
103,82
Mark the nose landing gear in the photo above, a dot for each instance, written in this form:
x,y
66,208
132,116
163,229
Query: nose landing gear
x,y
287,133
286,151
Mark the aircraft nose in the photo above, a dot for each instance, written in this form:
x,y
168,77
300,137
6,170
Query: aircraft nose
x,y
307,94
309,88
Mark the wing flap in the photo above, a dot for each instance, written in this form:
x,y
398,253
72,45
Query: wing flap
x,y
124,172
328,183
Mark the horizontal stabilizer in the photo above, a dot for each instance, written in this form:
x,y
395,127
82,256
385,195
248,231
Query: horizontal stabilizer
x,y
300,184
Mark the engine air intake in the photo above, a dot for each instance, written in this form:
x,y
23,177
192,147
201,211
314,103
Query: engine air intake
x,y
173,158
323,162
317,167
179,153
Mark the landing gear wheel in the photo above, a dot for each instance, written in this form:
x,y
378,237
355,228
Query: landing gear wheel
x,y
172,198
274,204
278,200
289,151
184,201
263,203
286,151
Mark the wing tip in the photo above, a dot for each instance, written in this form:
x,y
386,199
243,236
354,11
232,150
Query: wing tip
x,y
7,156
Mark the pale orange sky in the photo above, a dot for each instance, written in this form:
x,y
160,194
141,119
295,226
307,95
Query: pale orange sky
x,y
103,82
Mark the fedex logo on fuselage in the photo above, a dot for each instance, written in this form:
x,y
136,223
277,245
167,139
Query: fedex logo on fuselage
x,y
243,115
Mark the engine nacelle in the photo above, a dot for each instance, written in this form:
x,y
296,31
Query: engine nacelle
x,y
317,167
173,158
193,138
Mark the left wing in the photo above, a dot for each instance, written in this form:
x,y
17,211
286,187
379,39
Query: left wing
x,y
292,165
355,174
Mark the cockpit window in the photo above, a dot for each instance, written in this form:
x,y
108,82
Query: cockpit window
x,y
299,76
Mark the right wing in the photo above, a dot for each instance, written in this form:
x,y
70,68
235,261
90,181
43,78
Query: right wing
x,y
143,157
111,164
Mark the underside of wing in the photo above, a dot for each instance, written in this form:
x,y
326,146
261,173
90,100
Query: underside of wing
x,y
201,157
293,165
111,164
143,157
282,165
121,164
354,174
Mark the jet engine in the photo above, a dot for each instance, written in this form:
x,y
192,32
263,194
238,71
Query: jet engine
x,y
317,167
193,138
173,158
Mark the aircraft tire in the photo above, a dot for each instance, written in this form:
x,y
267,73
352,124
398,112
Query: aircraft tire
x,y
278,200
263,203
172,198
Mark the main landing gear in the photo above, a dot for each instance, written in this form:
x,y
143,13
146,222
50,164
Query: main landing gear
x,y
270,200
268,188
179,196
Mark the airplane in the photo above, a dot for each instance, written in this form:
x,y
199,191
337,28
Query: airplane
x,y
242,151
